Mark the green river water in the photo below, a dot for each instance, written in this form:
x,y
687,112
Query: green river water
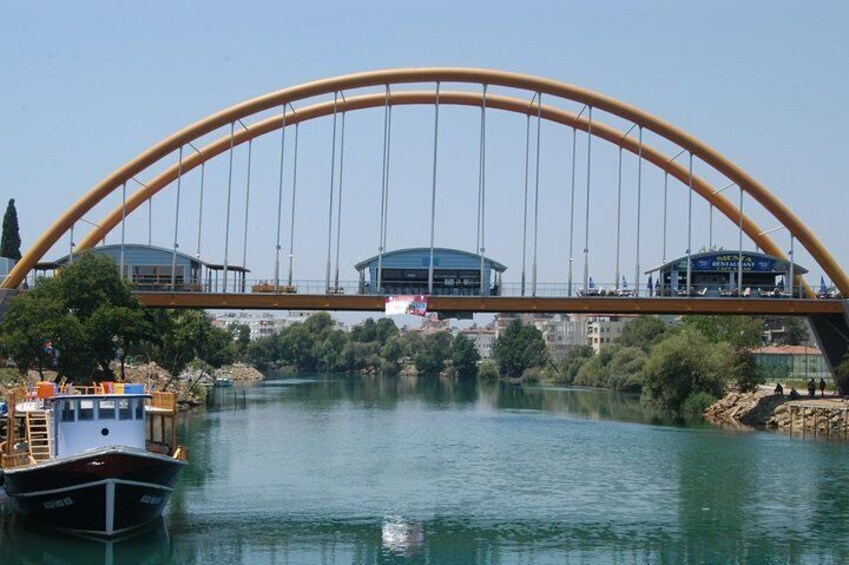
x,y
385,470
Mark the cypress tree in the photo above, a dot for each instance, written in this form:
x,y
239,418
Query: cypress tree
x,y
10,244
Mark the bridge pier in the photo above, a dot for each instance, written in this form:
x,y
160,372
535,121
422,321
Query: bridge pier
x,y
832,333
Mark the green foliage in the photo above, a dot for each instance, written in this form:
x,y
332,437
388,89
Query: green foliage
x,y
684,364
841,374
615,367
10,242
532,375
518,348
741,332
430,360
183,336
747,375
697,403
642,332
795,330
391,354
464,357
488,371
86,312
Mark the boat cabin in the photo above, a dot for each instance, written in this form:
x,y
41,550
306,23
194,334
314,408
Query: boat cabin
x,y
82,423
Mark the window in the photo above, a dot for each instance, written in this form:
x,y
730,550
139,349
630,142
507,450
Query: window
x,y
139,403
124,410
86,410
105,409
67,411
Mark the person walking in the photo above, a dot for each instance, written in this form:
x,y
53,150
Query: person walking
x,y
822,386
812,388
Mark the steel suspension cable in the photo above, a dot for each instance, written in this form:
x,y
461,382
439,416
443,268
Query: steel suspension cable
x,y
536,198
482,190
279,203
292,217
433,192
123,226
247,206
639,209
339,209
383,179
690,227
525,209
572,210
618,217
665,197
200,206
587,216
229,198
740,250
177,222
388,175
330,200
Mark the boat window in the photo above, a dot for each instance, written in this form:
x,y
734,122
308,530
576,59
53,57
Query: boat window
x,y
124,410
139,408
86,410
67,410
106,410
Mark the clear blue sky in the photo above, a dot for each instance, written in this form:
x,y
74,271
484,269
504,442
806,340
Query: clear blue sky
x,y
86,86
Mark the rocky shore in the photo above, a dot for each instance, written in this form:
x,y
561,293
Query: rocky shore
x,y
190,393
821,416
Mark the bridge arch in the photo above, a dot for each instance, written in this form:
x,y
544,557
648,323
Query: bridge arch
x,y
697,148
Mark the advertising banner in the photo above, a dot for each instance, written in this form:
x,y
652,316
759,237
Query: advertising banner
x,y
415,305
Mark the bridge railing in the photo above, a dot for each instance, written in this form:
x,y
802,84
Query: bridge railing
x,y
508,289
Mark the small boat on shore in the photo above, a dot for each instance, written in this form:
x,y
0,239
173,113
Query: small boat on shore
x,y
89,461
223,382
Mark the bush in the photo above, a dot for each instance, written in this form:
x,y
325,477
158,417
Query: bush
x,y
488,371
532,375
697,403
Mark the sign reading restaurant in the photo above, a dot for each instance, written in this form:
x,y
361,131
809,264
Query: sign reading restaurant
x,y
731,262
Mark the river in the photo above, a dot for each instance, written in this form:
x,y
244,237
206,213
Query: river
x,y
384,470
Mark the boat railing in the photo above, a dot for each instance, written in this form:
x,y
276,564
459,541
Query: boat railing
x,y
17,460
166,401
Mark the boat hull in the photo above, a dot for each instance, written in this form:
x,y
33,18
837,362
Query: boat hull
x,y
106,491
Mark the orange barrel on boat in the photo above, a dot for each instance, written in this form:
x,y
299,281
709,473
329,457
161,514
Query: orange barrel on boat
x,y
119,388
46,389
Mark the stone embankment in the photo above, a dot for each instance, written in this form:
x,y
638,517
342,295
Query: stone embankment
x,y
821,416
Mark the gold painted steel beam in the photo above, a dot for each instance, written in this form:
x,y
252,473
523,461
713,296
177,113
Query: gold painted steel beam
x,y
556,115
489,77
595,305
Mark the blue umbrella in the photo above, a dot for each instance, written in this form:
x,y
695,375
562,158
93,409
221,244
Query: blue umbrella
x,y
823,289
624,282
591,283
649,284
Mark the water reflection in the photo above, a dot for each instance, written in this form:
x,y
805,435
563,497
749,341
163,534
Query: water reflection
x,y
384,470
22,542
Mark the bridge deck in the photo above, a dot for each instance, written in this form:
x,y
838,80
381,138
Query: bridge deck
x,y
595,305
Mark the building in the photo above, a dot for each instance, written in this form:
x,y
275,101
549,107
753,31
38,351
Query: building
x,y
262,324
483,338
791,361
149,268
715,273
604,330
562,333
407,271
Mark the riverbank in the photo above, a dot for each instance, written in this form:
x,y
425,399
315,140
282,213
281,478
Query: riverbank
x,y
190,392
826,416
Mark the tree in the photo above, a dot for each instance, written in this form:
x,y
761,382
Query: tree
x,y
642,332
464,357
686,364
10,243
841,374
430,360
742,332
80,319
519,348
795,331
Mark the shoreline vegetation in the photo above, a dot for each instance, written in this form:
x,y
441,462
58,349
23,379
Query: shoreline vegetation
x,y
85,324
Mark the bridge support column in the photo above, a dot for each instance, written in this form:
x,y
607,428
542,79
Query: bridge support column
x,y
832,333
